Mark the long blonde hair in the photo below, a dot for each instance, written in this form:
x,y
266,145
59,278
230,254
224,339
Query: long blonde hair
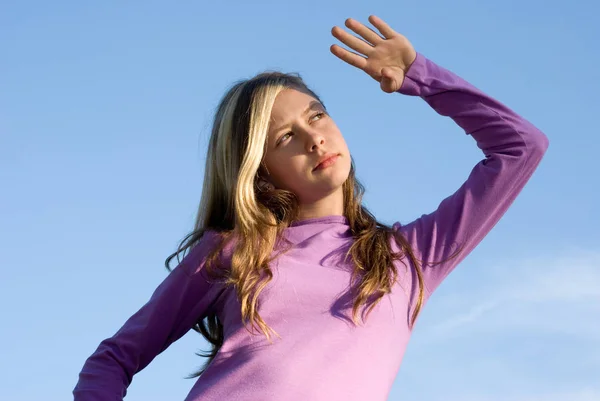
x,y
233,205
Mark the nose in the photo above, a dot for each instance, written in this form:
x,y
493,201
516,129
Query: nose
x,y
314,140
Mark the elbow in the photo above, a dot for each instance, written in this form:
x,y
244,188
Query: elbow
x,y
534,142
538,145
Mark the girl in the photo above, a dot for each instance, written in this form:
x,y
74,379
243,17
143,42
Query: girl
x,y
302,293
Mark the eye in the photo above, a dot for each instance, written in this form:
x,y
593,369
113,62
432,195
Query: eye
x,y
319,114
284,137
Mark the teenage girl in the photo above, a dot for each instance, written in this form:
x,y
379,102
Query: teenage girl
x,y
302,293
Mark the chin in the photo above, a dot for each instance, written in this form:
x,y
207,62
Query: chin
x,y
333,181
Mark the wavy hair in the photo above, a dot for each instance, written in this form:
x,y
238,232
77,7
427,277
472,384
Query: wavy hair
x,y
234,205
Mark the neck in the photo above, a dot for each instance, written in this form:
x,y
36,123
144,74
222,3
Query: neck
x,y
330,205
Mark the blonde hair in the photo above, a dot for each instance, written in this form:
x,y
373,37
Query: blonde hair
x,y
233,206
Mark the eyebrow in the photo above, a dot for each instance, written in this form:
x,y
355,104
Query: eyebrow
x,y
313,105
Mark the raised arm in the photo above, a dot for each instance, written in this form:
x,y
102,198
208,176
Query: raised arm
x,y
185,296
512,146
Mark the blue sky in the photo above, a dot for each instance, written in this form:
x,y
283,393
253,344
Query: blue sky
x,y
105,112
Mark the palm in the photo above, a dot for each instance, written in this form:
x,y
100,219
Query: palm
x,y
386,59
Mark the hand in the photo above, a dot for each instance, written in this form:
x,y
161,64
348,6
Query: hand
x,y
386,59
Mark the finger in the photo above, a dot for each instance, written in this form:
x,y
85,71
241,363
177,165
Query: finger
x,y
382,27
367,33
351,58
352,41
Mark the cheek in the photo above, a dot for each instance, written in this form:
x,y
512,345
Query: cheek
x,y
284,171
338,138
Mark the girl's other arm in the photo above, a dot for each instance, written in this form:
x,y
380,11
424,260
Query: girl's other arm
x,y
176,305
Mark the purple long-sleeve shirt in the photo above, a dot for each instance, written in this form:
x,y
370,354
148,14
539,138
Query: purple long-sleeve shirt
x,y
321,355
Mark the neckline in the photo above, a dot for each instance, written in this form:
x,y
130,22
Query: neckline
x,y
321,220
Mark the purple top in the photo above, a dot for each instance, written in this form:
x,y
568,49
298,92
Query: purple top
x,y
321,355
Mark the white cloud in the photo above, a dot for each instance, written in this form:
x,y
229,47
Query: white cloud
x,y
519,331
587,394
534,294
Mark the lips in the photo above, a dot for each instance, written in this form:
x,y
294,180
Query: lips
x,y
325,161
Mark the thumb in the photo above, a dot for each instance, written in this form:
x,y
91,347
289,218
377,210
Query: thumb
x,y
388,81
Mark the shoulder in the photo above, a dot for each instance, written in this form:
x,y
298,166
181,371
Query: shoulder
x,y
212,244
400,235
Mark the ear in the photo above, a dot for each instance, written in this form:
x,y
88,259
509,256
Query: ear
x,y
264,185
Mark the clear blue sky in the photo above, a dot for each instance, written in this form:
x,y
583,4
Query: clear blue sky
x,y
105,112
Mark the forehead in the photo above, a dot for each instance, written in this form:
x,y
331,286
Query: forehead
x,y
289,103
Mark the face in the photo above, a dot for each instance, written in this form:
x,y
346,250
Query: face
x,y
301,134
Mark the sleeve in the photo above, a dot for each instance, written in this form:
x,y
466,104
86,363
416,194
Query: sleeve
x,y
512,147
185,296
